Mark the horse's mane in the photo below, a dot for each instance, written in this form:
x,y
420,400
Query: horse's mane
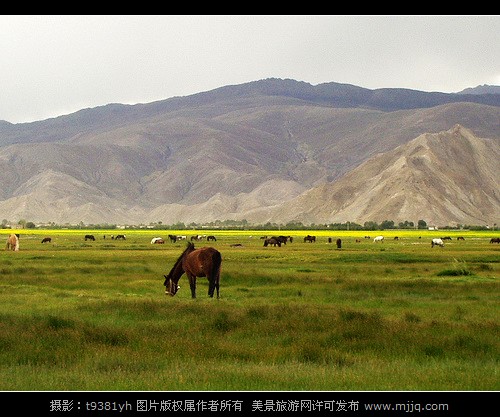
x,y
189,248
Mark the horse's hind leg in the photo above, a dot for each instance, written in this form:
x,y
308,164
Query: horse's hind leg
x,y
214,285
192,285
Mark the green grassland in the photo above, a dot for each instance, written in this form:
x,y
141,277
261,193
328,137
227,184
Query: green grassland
x,y
397,315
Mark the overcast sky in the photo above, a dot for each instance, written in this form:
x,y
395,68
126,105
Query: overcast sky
x,y
54,65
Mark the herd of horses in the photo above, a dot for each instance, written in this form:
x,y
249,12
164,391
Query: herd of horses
x,y
207,261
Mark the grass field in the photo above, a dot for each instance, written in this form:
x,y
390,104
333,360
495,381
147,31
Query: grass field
x,y
397,315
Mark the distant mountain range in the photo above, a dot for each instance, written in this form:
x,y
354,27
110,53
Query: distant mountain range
x,y
266,151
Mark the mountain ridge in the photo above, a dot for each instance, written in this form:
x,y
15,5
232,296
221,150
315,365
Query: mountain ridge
x,y
233,151
429,194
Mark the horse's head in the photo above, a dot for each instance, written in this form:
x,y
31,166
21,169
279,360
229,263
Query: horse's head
x,y
171,287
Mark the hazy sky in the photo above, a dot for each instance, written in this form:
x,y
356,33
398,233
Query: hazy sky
x,y
54,65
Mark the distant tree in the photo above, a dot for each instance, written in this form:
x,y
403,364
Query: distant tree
x,y
406,225
295,225
387,224
371,226
30,225
422,224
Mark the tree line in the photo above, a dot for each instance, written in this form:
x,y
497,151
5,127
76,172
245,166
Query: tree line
x,y
241,225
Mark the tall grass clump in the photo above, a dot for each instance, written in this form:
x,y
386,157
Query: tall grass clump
x,y
458,268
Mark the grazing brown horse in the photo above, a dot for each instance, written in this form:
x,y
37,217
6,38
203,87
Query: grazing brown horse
x,y
46,240
272,241
202,262
12,242
309,238
495,240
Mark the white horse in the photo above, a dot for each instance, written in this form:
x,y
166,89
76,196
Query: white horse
x,y
12,242
437,242
378,239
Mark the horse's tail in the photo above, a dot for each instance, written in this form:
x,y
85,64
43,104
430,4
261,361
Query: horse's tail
x,y
16,247
215,274
216,264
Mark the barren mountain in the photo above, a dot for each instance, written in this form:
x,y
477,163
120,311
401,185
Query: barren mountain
x,y
236,152
444,178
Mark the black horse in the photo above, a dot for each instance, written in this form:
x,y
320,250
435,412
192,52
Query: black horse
x,y
46,240
309,238
283,239
272,241
89,237
202,262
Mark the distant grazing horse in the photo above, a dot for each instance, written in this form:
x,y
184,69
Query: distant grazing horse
x,y
13,242
209,238
202,262
272,241
309,238
284,239
379,239
196,237
446,238
460,238
437,242
157,240
89,237
172,238
495,240
280,239
339,243
122,237
46,240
